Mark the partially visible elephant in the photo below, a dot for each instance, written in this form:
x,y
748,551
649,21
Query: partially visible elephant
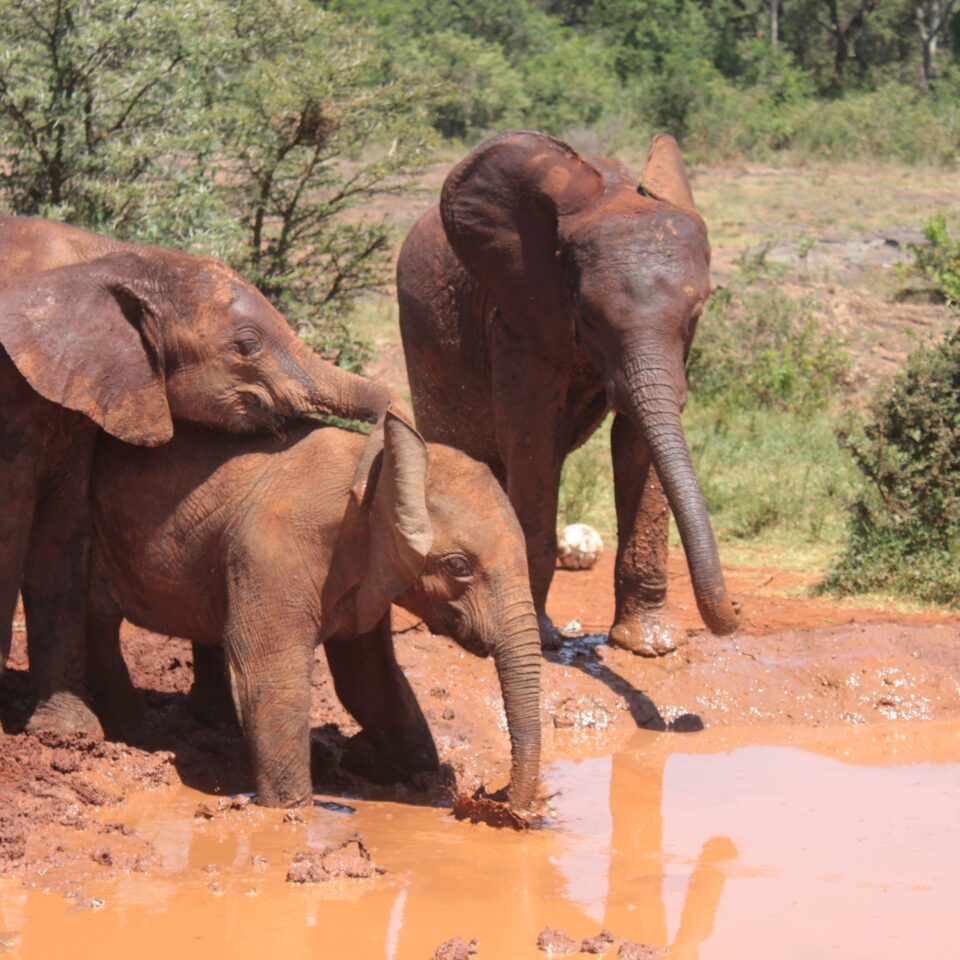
x,y
244,543
543,291
97,333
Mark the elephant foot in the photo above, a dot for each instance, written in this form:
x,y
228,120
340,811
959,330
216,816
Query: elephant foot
x,y
653,635
550,637
65,714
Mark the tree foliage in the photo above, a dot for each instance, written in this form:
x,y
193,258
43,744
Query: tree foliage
x,y
251,129
904,529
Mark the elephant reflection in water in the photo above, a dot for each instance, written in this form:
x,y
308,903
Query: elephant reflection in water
x,y
521,884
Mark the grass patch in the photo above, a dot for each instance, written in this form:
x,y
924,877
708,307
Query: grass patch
x,y
772,477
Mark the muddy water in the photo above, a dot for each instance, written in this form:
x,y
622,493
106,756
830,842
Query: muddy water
x,y
717,844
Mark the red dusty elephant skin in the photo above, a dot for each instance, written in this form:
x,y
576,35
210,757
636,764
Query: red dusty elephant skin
x,y
544,290
244,543
97,333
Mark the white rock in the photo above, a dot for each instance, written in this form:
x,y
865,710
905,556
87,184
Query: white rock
x,y
579,547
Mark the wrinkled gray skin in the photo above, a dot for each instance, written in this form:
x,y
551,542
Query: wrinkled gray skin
x,y
127,338
545,290
268,547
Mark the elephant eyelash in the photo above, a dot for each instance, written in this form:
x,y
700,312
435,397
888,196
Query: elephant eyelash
x,y
457,566
248,348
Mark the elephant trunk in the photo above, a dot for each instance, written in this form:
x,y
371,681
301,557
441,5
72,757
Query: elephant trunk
x,y
335,392
648,387
516,653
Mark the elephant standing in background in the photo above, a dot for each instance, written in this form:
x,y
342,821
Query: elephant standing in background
x,y
543,291
98,333
243,543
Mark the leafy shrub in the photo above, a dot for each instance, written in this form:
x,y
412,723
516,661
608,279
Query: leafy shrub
x,y
246,129
763,349
478,89
940,262
904,529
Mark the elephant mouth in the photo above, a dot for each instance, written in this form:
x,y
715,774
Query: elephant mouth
x,y
258,410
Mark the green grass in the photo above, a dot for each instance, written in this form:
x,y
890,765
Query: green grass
x,y
772,477
776,484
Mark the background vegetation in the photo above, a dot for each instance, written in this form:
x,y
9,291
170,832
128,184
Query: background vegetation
x,y
267,132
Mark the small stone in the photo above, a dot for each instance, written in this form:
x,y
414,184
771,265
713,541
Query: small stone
x,y
259,861
556,941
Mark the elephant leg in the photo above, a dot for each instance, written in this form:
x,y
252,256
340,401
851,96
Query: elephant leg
x,y
55,603
270,680
118,703
370,684
16,519
533,486
641,624
532,441
209,698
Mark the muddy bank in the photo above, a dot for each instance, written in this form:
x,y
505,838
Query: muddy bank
x,y
780,672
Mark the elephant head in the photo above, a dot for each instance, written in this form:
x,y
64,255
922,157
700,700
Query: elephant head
x,y
578,252
445,544
134,340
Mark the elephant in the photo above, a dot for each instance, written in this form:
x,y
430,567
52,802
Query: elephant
x,y
542,292
95,333
241,543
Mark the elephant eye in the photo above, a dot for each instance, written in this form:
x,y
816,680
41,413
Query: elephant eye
x,y
248,346
457,566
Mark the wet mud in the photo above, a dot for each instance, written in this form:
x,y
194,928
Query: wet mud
x,y
791,791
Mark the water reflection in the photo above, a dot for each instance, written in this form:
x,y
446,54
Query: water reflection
x,y
700,842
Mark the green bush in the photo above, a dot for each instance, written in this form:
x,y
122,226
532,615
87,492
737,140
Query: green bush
x,y
478,89
940,262
248,129
904,529
762,349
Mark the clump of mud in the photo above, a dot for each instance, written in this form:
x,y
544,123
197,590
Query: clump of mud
x,y
347,860
50,787
639,951
556,942
600,942
224,805
483,807
455,949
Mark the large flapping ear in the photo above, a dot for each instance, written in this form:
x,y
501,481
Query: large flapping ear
x,y
88,337
664,175
501,208
400,529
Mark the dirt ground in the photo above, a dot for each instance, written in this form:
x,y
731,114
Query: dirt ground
x,y
796,662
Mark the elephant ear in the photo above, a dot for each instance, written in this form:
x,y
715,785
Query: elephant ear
x,y
400,529
665,176
88,337
502,208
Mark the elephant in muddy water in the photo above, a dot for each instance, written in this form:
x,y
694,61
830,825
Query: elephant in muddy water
x,y
544,290
127,338
244,543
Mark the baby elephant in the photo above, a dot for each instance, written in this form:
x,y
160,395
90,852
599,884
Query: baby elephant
x,y
268,547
